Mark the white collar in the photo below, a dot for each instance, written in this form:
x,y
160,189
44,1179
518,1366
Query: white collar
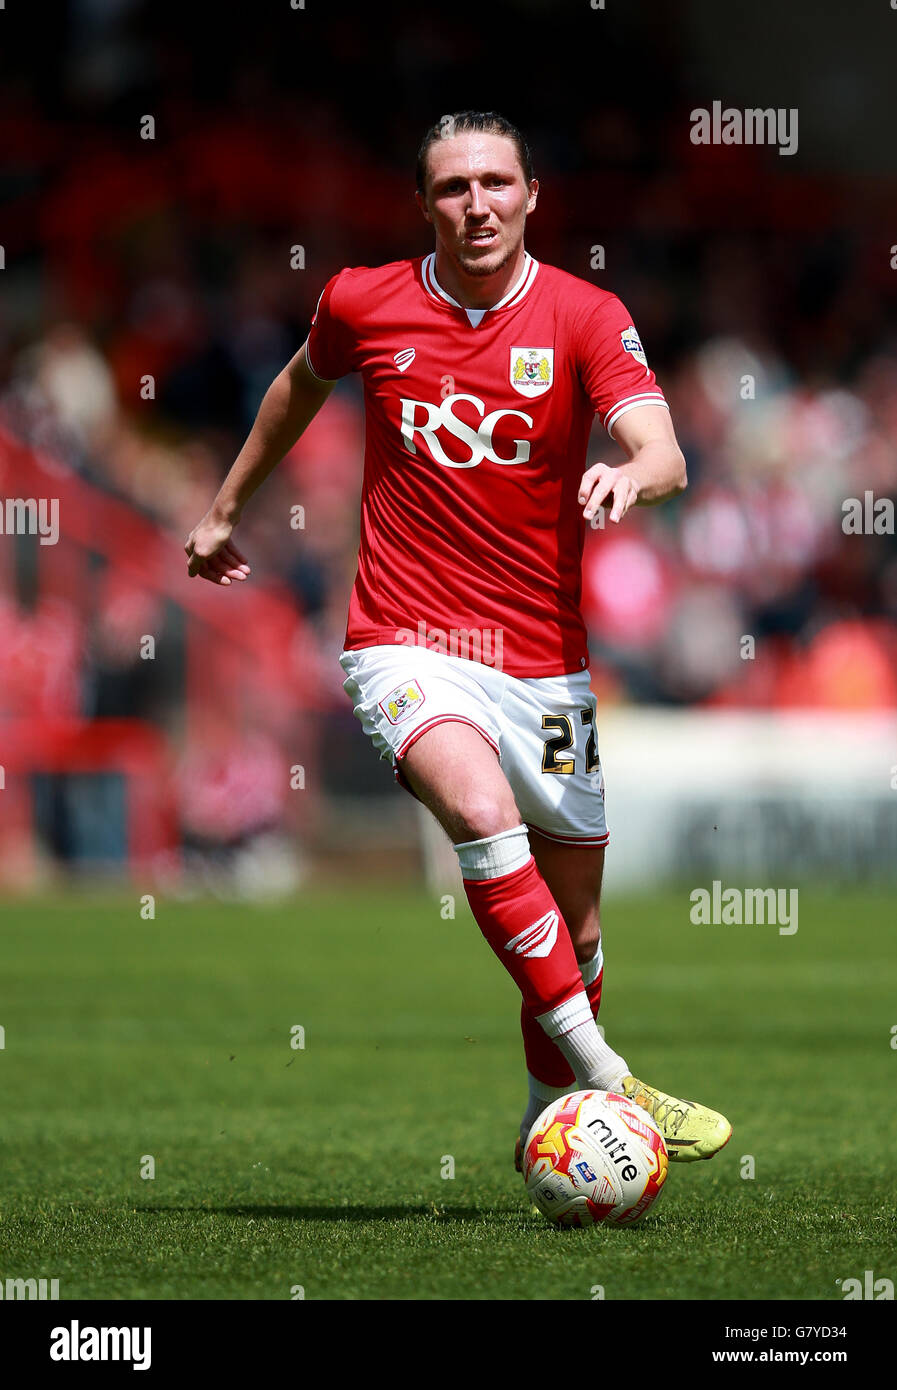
x,y
517,292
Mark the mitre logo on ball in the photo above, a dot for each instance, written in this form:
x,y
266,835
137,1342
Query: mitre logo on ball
x,y
532,370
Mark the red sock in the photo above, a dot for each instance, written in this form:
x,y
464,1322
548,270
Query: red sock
x,y
544,1059
521,921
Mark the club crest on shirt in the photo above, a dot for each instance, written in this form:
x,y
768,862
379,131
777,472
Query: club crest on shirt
x,y
532,370
402,702
632,343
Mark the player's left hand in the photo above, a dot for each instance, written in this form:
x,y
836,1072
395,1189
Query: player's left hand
x,y
211,553
601,480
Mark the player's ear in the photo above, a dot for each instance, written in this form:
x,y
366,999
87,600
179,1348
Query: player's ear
x,y
422,204
533,195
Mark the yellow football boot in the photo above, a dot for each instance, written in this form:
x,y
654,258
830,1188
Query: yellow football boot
x,y
690,1130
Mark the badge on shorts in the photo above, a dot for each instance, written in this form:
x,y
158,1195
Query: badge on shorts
x,y
402,702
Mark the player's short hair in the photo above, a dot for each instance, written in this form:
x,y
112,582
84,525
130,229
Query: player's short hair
x,y
459,122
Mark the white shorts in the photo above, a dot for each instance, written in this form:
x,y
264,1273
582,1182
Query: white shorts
x,y
543,729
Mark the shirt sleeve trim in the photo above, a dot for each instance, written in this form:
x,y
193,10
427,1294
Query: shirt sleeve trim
x,y
632,403
310,365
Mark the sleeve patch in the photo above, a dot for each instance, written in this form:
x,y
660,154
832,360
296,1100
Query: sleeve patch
x,y
632,343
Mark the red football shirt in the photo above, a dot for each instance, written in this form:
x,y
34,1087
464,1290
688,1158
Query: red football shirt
x,y
477,425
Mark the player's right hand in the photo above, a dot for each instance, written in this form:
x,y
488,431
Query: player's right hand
x,y
212,555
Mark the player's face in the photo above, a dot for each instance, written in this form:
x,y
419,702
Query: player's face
x,y
477,199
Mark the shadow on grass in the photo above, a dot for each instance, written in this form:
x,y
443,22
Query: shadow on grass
x,y
347,1213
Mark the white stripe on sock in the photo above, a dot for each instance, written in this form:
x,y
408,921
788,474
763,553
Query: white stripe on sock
x,y
496,855
573,1012
595,1065
592,968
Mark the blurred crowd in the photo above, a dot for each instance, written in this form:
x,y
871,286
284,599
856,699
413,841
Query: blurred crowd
x,y
755,549
156,287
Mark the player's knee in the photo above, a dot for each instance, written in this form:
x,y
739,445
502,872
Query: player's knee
x,y
482,816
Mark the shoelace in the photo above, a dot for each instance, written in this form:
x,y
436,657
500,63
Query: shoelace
x,y
665,1109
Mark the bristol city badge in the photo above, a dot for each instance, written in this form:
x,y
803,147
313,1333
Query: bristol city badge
x,y
402,702
532,370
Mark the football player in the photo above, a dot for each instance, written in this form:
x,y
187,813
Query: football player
x,y
466,654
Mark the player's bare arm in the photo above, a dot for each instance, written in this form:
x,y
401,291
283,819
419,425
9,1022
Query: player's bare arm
x,y
655,471
289,405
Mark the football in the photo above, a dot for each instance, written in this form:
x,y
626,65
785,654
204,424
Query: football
x,y
593,1156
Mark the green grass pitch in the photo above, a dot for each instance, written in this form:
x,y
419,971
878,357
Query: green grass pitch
x,y
279,1168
